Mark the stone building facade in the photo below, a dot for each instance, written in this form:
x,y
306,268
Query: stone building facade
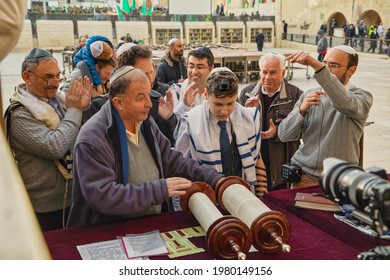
x,y
306,16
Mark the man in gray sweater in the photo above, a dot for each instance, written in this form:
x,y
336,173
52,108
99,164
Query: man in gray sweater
x,y
330,118
42,125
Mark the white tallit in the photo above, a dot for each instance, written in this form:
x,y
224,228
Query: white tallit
x,y
246,128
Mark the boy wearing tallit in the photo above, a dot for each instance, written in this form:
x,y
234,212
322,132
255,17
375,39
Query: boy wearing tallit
x,y
223,134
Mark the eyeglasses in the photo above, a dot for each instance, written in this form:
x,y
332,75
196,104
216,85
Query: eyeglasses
x,y
199,67
334,65
50,80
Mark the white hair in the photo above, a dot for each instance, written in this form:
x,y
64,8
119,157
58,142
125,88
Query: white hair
x,y
272,56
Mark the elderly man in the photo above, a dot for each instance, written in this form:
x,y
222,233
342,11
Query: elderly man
x,y
140,57
191,92
275,98
123,166
172,68
41,133
330,119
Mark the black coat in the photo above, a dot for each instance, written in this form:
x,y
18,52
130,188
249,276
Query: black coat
x,y
260,39
169,71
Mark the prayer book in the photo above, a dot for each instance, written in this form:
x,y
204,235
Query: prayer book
x,y
316,201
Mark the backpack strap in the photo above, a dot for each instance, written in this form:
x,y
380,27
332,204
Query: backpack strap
x,y
7,116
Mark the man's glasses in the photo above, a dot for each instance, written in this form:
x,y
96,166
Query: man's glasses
x,y
199,67
52,80
334,65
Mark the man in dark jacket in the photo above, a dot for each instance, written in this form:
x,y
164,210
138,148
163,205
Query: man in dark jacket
x,y
260,41
275,99
172,68
285,27
123,166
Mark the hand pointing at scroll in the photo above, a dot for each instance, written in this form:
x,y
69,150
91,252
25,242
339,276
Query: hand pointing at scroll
x,y
177,185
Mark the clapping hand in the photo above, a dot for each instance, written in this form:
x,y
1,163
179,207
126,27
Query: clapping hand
x,y
79,94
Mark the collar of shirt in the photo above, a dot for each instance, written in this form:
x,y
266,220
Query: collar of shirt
x,y
52,102
263,91
46,100
348,85
133,137
214,122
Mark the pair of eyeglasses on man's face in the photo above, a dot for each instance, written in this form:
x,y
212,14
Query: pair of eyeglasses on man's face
x,y
50,79
199,66
333,65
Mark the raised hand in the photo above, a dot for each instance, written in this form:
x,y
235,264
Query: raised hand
x,y
312,99
270,133
191,93
252,101
306,59
79,94
87,92
165,107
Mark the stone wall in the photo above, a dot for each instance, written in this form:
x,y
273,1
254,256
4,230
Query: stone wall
x,y
25,42
54,34
102,28
138,30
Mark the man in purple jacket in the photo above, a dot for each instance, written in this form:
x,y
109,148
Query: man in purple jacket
x,y
124,166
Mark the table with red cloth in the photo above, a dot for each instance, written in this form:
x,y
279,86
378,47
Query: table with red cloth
x,y
315,235
325,221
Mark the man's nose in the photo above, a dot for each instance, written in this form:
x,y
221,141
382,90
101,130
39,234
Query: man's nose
x,y
148,103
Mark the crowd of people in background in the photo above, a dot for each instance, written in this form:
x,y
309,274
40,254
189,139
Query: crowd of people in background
x,y
83,10
355,35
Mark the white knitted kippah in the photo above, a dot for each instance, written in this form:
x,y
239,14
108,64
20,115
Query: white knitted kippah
x,y
346,49
173,40
124,48
218,69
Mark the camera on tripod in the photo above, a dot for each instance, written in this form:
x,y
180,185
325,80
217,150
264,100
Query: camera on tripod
x,y
368,191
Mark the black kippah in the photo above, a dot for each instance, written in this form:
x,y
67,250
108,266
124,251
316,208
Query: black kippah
x,y
37,53
205,50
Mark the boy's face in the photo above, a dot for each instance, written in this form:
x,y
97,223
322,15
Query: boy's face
x,y
221,108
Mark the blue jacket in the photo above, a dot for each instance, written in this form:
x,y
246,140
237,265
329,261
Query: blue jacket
x,y
101,192
85,55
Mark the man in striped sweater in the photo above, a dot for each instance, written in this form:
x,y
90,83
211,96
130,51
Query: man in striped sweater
x,y
330,118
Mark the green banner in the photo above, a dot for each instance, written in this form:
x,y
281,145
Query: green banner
x,y
125,6
121,16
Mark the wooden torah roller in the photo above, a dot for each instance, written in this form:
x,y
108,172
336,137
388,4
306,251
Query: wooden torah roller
x,y
270,230
227,237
